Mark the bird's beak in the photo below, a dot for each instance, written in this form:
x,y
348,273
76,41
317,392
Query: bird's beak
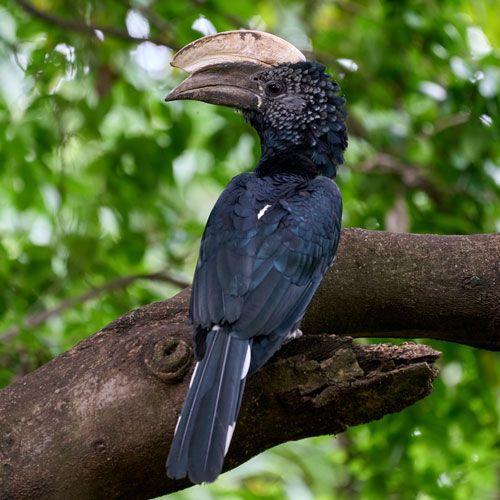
x,y
228,84
222,67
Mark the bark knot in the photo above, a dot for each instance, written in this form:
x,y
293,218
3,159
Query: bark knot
x,y
169,359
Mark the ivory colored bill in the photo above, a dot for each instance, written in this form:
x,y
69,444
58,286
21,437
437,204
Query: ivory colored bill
x,y
251,46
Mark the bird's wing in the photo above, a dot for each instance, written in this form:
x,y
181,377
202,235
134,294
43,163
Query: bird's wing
x,y
259,267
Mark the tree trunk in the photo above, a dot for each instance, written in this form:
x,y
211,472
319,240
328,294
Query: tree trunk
x,y
96,422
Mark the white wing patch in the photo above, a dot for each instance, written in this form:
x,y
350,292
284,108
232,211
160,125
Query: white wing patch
x,y
229,436
263,211
246,364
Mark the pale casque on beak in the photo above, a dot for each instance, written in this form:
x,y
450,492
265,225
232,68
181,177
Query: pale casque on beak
x,y
222,66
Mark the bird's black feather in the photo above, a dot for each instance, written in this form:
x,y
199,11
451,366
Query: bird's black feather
x,y
267,244
291,245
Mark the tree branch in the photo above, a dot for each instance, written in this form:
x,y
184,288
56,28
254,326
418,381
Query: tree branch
x,y
408,172
81,27
15,51
450,121
34,320
412,286
96,422
162,25
351,8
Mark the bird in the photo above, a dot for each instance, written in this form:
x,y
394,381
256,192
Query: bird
x,y
271,236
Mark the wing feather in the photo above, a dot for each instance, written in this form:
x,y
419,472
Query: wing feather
x,y
258,274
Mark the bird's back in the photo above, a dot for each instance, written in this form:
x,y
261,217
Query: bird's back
x,y
267,245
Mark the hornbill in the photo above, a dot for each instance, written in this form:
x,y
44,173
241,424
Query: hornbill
x,y
270,237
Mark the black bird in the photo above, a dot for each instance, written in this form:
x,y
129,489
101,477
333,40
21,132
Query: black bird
x,y
268,242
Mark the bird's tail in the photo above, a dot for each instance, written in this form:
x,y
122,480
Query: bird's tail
x,y
208,417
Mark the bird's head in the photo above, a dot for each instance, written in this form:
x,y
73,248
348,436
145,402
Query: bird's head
x,y
292,103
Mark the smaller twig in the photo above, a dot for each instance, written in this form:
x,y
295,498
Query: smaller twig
x,y
350,7
163,26
37,319
449,122
408,172
157,21
15,50
69,24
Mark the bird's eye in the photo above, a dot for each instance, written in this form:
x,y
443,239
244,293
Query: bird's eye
x,y
274,88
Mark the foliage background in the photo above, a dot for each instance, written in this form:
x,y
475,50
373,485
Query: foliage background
x,y
102,183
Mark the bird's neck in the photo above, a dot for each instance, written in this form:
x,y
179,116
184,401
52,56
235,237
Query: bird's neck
x,y
305,154
294,160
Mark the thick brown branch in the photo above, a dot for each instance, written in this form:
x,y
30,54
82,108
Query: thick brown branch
x,y
70,24
96,422
412,285
35,320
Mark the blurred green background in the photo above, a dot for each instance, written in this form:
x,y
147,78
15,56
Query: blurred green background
x,y
102,186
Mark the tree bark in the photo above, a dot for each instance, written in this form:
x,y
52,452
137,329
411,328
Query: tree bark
x,y
402,285
96,422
